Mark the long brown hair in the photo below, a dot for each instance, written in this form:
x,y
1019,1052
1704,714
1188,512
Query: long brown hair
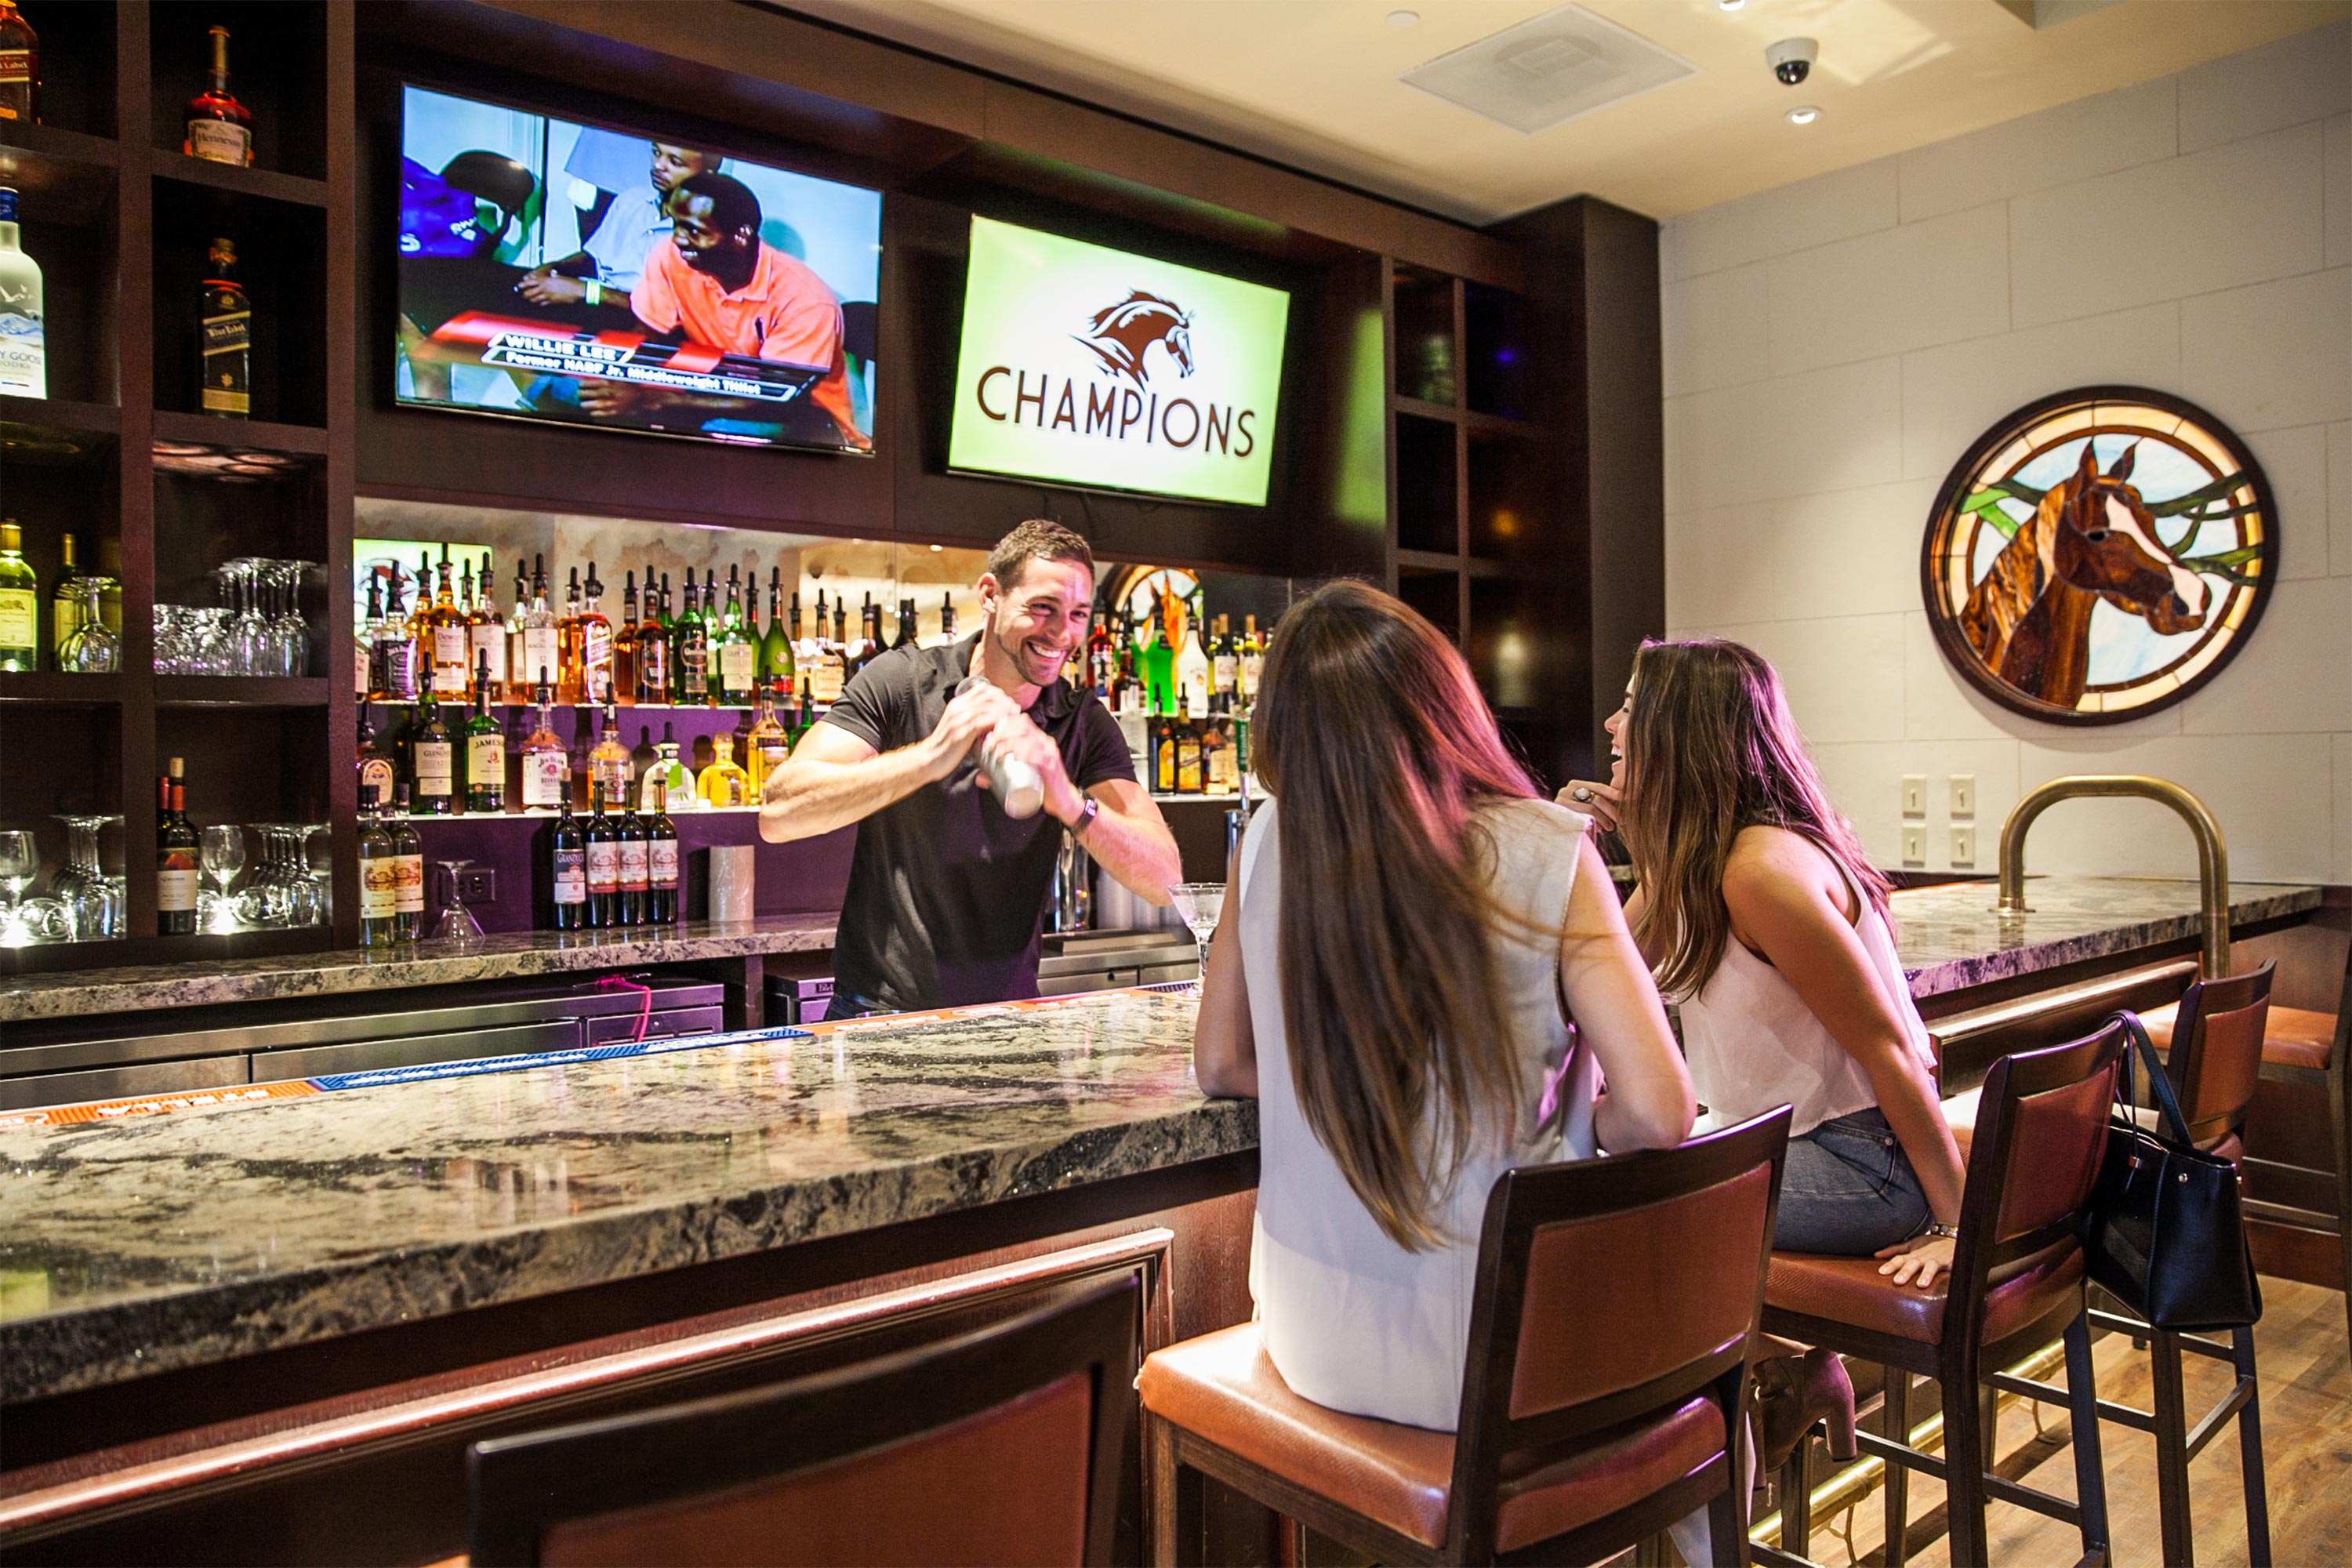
x,y
1711,749
1376,741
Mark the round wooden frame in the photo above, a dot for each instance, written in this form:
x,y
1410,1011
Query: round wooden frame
x,y
1945,519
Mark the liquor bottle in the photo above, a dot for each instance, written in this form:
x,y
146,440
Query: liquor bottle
x,y
24,350
546,773
624,645
602,842
595,645
177,856
486,749
1224,668
20,68
947,620
1220,762
569,670
1188,747
670,628
766,746
20,599
661,863
408,854
712,627
391,656
1102,662
225,337
65,598
653,666
1156,656
519,677
840,635
690,658
1253,661
608,761
431,764
1163,748
564,866
451,672
642,756
862,652
377,773
630,906
776,647
486,637
906,637
1130,688
363,641
542,650
379,872
805,719
1192,666
723,782
810,654
668,786
738,652
220,129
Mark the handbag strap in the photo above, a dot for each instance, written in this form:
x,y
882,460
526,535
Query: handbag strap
x,y
2159,1086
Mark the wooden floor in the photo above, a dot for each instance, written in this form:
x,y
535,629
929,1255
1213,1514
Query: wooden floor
x,y
2306,1395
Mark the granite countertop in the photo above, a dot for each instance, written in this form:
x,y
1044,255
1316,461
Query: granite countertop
x,y
1949,939
157,1241
504,956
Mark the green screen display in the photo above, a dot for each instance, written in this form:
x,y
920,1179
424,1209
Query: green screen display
x,y
1083,365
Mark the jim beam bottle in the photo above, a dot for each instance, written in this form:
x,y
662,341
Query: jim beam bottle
x,y
226,333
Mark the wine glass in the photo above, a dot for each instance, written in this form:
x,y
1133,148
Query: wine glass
x,y
221,848
91,647
312,883
82,868
289,636
20,858
1198,903
458,927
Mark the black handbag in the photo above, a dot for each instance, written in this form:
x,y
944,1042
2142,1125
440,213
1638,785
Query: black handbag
x,y
2164,1232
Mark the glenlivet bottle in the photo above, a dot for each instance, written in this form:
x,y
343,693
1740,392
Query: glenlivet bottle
x,y
220,129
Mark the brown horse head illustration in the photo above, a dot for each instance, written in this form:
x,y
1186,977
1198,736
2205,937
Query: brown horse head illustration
x,y
2092,538
1119,334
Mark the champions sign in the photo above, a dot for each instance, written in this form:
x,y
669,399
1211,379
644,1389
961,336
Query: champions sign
x,y
1089,366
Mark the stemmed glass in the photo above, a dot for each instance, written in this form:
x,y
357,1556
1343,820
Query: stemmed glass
x,y
310,884
222,850
458,926
20,858
1198,903
239,587
288,639
97,903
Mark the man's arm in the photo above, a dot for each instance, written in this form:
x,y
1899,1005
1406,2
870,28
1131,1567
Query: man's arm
x,y
1132,841
835,778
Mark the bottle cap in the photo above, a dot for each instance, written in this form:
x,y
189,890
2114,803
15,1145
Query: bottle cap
x,y
7,203
11,536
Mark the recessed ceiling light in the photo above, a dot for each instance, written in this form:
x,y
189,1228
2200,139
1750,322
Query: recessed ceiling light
x,y
1403,19
1729,5
1805,116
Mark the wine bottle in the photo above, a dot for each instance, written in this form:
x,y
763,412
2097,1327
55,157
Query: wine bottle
x,y
408,854
178,860
20,599
776,645
630,906
224,332
566,872
603,844
661,865
379,871
220,129
23,353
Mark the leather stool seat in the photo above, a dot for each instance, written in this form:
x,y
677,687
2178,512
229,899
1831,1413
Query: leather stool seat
x,y
2292,1036
1222,1387
1851,1290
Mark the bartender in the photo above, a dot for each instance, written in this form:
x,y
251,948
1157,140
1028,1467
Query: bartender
x,y
947,893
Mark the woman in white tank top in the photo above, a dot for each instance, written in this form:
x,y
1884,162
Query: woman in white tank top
x,y
1760,916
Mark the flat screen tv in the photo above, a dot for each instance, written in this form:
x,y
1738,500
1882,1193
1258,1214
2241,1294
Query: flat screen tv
x,y
1087,366
572,273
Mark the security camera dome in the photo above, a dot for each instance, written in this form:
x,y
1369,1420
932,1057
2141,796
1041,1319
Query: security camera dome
x,y
1791,59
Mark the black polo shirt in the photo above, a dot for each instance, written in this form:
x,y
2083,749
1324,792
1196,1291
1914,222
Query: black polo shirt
x,y
946,894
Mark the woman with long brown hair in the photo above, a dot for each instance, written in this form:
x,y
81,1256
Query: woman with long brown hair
x,y
1761,916
1408,920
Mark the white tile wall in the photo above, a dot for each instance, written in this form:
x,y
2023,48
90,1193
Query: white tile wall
x,y
1832,348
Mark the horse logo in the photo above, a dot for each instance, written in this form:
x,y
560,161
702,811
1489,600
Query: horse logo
x,y
1119,335
2081,594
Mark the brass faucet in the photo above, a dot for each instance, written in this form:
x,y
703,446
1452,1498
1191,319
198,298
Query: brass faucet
x,y
2212,854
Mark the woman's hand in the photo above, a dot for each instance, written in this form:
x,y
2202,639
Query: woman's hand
x,y
1595,800
1917,1260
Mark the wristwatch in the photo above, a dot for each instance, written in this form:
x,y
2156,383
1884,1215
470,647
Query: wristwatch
x,y
1088,811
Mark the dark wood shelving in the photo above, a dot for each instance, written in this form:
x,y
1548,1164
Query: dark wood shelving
x,y
267,183
240,691
1495,427
1428,561
233,438
1421,408
64,178
58,415
61,690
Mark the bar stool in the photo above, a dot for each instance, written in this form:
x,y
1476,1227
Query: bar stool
x,y
2016,1283
1603,1397
2305,1053
1001,1446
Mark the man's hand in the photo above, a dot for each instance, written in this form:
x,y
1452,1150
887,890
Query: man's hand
x,y
545,286
966,719
1017,736
611,398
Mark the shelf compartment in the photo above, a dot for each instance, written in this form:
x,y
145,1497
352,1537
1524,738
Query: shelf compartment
x,y
240,691
61,690
277,68
281,248
247,762
67,225
78,53
236,448
50,417
1425,343
201,522
1437,596
61,177
294,190
1426,506
1499,348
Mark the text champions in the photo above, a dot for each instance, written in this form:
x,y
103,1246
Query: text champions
x,y
1114,412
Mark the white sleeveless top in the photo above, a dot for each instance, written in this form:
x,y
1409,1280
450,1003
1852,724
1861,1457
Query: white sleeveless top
x,y
1352,1320
1752,1044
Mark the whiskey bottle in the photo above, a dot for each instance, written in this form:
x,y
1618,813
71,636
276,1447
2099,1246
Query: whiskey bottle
x,y
20,68
624,645
546,774
1188,747
565,873
377,774
723,782
652,651
220,129
486,749
224,332
570,668
608,762
391,656
595,645
486,636
448,640
177,856
1163,748
766,747
432,764
542,654
379,871
23,353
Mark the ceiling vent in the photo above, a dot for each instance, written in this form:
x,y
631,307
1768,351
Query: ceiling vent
x,y
1548,70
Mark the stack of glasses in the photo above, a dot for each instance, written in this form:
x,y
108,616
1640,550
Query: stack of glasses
x,y
83,903
255,629
284,890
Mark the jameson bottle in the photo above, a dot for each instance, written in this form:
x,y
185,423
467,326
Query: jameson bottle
x,y
486,749
226,337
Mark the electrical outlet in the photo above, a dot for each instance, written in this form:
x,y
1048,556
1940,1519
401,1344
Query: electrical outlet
x,y
478,884
1915,795
1914,844
1964,846
1964,794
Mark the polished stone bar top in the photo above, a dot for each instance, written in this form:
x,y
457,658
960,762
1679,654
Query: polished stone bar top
x,y
1950,939
501,957
155,1241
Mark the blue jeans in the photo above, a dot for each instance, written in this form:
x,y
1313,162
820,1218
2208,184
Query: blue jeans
x,y
1848,1189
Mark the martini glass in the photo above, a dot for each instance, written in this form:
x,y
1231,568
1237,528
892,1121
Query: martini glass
x,y
1198,903
458,927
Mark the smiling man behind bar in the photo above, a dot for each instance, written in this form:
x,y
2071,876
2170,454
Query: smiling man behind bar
x,y
947,893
